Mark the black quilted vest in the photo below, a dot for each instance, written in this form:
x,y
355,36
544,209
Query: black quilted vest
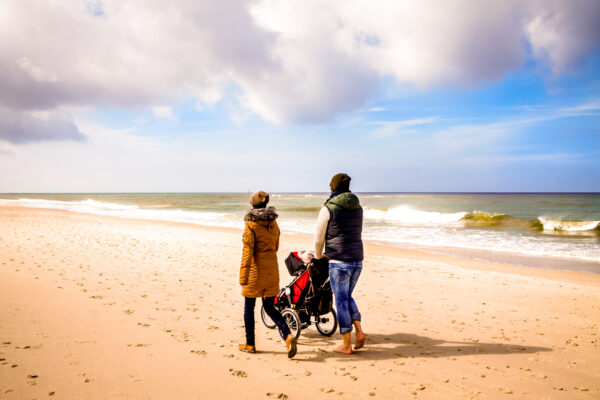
x,y
344,231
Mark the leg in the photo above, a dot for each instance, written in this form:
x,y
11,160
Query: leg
x,y
353,308
360,336
340,284
346,347
249,320
269,304
290,340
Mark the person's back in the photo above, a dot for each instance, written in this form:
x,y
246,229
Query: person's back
x,y
339,229
344,233
263,281
259,272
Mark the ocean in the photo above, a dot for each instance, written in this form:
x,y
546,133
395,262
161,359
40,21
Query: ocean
x,y
546,230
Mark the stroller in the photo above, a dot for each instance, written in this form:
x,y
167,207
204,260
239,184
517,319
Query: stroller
x,y
308,296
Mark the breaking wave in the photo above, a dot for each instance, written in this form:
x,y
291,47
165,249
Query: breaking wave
x,y
491,220
409,215
479,219
558,225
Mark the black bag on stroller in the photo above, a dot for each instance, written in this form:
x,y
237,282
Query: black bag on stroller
x,y
307,296
320,299
294,263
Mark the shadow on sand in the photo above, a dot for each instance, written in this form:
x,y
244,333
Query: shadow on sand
x,y
405,345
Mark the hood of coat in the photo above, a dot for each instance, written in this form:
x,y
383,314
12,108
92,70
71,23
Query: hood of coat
x,y
261,214
347,200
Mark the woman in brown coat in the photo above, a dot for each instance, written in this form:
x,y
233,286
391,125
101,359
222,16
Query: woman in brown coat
x,y
259,271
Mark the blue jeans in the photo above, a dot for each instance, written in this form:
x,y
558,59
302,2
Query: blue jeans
x,y
343,277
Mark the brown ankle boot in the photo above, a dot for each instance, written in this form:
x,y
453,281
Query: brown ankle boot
x,y
247,349
290,343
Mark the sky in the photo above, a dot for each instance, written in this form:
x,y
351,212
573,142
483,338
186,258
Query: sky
x,y
279,95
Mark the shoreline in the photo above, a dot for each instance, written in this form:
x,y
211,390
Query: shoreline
x,y
474,236
377,249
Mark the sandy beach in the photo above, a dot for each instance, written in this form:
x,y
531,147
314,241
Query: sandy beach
x,y
95,307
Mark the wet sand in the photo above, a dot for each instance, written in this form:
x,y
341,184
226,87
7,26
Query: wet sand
x,y
100,308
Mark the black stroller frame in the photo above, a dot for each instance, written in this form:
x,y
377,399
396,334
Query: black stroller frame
x,y
304,301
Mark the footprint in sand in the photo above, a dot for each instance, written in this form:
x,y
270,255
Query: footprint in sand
x,y
281,396
238,373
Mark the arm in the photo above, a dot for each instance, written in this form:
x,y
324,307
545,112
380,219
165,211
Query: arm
x,y
321,231
247,255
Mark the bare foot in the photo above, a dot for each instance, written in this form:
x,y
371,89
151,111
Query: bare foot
x,y
360,342
343,350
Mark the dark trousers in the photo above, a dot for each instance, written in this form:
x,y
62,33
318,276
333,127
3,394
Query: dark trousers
x,y
269,304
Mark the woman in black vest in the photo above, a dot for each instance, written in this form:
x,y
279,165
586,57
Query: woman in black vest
x,y
339,229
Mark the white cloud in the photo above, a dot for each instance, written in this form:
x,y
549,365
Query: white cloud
x,y
483,134
293,61
165,112
7,148
115,160
520,158
436,158
393,128
36,73
592,107
562,31
19,127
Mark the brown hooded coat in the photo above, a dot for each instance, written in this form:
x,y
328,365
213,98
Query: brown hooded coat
x,y
259,270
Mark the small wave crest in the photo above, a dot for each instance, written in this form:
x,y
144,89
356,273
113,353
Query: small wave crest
x,y
408,215
485,219
481,218
559,225
478,219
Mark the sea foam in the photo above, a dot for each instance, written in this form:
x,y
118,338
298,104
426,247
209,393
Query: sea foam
x,y
568,226
90,206
408,215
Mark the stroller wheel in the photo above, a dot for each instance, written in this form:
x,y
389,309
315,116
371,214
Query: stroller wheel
x,y
327,323
293,321
266,319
